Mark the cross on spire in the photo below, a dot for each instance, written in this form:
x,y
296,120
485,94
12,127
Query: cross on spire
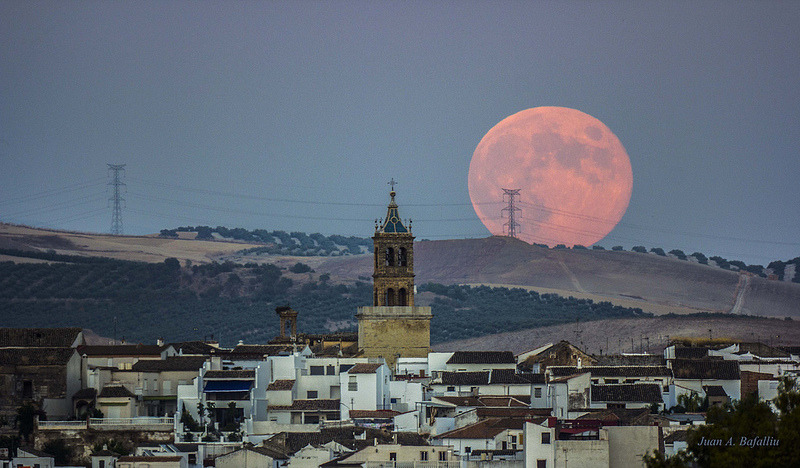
x,y
392,183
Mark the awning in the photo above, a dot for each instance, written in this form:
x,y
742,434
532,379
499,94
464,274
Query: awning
x,y
215,386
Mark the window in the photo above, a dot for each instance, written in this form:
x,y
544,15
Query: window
x,y
402,257
541,463
27,389
467,449
442,456
612,381
537,392
505,445
392,456
402,297
451,389
312,419
545,438
390,297
311,394
101,463
393,400
389,256
352,384
330,370
423,456
317,370
513,439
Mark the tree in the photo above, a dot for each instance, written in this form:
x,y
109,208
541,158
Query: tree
x,y
747,433
61,452
300,268
25,420
617,248
639,248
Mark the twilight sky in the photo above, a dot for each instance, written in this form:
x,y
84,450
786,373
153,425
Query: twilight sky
x,y
294,115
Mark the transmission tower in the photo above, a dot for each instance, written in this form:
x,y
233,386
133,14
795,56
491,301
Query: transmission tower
x,y
510,228
117,185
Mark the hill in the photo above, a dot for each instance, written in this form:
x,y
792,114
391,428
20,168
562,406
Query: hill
x,y
638,334
656,284
653,283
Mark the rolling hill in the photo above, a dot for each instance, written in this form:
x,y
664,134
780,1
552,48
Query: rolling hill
x,y
655,284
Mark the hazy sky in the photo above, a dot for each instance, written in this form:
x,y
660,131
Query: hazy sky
x,y
294,115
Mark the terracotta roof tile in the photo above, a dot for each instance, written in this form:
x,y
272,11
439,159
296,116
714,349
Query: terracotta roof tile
x,y
230,374
173,363
640,393
705,369
281,385
39,337
364,368
115,391
482,357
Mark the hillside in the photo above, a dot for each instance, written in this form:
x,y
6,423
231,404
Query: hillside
x,y
653,283
633,334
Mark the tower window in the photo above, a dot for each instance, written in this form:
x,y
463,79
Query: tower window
x,y
402,297
389,256
402,257
390,299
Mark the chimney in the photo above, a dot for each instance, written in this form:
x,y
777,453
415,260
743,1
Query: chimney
x,y
160,342
579,363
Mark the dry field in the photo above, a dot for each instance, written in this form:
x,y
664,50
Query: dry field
x,y
139,248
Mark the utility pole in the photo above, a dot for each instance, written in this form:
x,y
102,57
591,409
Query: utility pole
x,y
116,197
510,228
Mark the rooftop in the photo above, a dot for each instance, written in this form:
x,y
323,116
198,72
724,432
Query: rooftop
x,y
629,393
482,357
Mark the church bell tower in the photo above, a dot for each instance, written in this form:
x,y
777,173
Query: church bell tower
x,y
393,327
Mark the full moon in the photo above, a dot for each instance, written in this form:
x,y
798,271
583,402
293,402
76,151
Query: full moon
x,y
573,175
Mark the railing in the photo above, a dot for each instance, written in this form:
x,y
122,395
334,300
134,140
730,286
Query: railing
x,y
128,422
60,425
414,464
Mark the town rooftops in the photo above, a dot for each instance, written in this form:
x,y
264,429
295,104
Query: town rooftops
x,y
612,371
482,357
630,360
173,363
231,374
151,459
115,391
486,429
189,348
127,350
630,393
35,356
716,369
255,350
714,391
690,352
521,401
281,385
373,414
41,337
364,368
494,376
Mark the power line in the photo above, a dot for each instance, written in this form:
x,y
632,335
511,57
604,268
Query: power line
x,y
511,225
116,198
289,200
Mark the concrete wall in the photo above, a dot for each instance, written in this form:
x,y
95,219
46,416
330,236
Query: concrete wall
x,y
628,444
244,459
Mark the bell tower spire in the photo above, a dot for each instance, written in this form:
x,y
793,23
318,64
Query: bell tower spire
x,y
393,276
393,326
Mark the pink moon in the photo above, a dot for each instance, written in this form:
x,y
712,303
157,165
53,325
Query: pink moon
x,y
573,175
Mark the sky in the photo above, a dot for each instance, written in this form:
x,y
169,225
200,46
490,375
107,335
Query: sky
x,y
294,115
